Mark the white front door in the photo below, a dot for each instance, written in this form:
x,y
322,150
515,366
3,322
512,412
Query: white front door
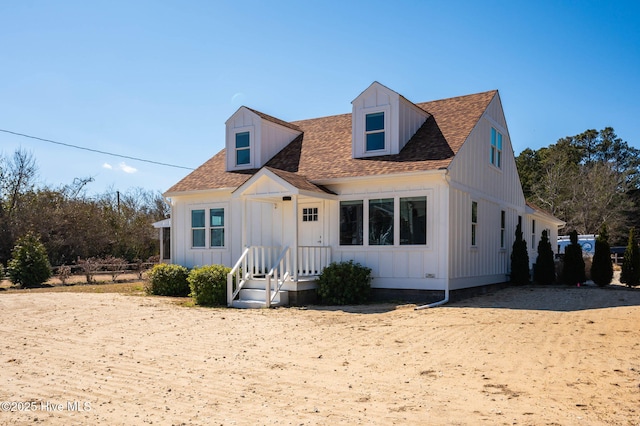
x,y
310,220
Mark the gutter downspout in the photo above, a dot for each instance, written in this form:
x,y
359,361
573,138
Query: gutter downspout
x,y
446,179
434,304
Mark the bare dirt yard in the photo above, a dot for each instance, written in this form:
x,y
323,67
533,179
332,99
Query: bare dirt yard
x,y
520,356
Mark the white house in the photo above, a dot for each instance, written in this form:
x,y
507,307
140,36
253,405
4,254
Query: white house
x,y
426,194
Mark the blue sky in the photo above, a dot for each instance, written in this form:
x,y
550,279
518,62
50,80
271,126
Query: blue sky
x,y
158,79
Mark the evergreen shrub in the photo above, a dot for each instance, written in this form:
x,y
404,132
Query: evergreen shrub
x,y
519,259
344,283
630,274
29,265
208,285
544,271
601,266
573,270
167,280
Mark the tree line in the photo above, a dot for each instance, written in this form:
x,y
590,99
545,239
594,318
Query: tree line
x,y
587,180
71,224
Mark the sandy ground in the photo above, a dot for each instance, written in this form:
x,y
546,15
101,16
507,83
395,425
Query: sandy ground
x,y
525,356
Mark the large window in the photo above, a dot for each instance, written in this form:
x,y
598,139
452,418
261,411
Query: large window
x,y
496,148
381,222
351,221
215,227
197,228
374,131
413,220
243,148
474,223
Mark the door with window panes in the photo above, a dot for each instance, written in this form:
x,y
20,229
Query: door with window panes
x,y
310,229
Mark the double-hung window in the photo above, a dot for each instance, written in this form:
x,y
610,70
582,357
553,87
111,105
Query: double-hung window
x,y
533,233
474,223
374,131
198,228
243,148
216,231
213,229
495,154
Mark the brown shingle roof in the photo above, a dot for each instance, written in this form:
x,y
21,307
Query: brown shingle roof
x,y
323,151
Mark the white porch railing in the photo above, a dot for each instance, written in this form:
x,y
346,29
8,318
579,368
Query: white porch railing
x,y
277,276
275,265
312,260
239,275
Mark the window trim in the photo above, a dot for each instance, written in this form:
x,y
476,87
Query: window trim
x,y
198,228
363,113
375,131
474,223
496,148
503,222
251,148
427,194
208,227
533,234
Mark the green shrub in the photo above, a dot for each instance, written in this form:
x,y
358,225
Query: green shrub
x,y
344,283
167,280
630,274
29,265
209,285
601,266
573,270
519,259
544,271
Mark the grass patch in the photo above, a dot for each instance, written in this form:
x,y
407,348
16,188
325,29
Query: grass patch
x,y
130,288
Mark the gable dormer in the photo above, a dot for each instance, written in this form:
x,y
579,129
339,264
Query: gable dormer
x,y
252,138
383,121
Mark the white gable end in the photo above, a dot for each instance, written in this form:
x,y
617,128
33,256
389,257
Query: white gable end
x,y
383,122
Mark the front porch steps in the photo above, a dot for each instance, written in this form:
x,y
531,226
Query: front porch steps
x,y
252,298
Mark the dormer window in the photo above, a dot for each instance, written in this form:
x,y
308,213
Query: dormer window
x,y
374,131
243,148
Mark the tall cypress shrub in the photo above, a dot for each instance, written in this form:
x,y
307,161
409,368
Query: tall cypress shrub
x,y
601,267
519,259
573,270
544,271
631,264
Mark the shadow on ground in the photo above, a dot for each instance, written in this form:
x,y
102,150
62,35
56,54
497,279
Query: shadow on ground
x,y
554,298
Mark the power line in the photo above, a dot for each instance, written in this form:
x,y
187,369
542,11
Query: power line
x,y
95,150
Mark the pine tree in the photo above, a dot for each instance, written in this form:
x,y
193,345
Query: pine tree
x,y
602,267
573,269
631,264
519,260
544,271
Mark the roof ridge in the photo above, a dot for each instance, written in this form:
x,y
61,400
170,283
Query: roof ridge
x,y
273,119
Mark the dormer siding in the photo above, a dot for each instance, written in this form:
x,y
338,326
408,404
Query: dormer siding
x,y
383,122
265,137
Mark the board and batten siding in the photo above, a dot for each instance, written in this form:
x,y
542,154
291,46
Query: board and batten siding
x,y
474,178
398,266
182,252
267,137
